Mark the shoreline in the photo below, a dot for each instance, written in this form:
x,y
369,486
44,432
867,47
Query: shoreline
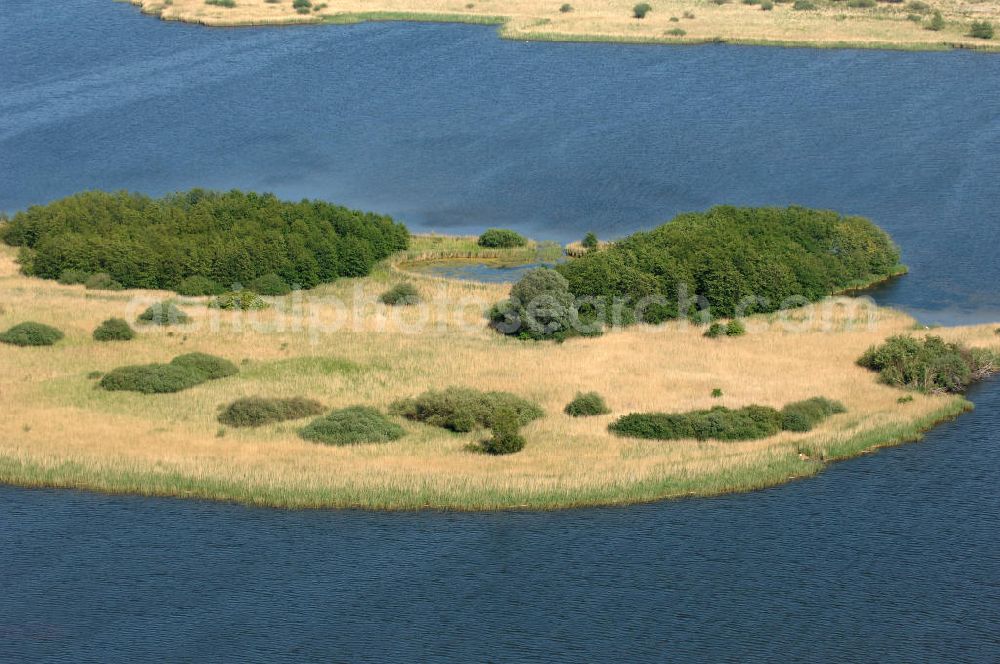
x,y
526,28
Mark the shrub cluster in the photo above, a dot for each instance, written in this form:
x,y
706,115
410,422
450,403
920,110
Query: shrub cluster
x,y
351,426
197,285
243,300
114,329
981,30
721,423
31,334
641,9
232,237
270,284
71,276
401,295
506,438
501,238
929,365
586,404
804,5
183,372
101,281
733,328
464,409
258,411
163,313
542,307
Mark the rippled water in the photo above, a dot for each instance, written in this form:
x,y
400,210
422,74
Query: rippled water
x,y
892,557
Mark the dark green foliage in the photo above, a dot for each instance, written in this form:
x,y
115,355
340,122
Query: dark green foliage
x,y
641,9
735,328
566,8
70,276
114,329
739,260
715,330
151,379
804,415
586,404
209,366
101,281
239,300
541,307
907,399
767,5
720,423
401,295
163,313
501,238
717,393
919,7
861,4
506,438
929,365
351,426
464,409
803,5
183,372
229,4
677,32
981,30
94,375
197,284
937,22
590,241
231,237
258,411
31,334
270,284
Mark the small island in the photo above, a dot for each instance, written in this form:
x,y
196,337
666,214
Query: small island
x,y
907,24
270,353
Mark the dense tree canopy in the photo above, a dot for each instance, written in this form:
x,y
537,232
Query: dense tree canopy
x,y
231,237
740,260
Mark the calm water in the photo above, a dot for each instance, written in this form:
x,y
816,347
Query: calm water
x,y
894,557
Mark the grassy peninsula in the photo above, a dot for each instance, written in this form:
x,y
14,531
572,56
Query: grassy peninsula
x,y
910,24
244,434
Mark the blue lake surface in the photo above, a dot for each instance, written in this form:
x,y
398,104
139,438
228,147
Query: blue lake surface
x,y
894,557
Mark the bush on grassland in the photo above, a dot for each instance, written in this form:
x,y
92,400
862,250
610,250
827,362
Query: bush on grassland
x,y
235,237
258,411
114,329
243,300
721,423
209,366
270,284
401,294
70,276
465,409
506,438
501,238
196,285
981,30
101,281
804,5
151,378
929,365
351,426
163,313
641,9
586,404
541,307
31,334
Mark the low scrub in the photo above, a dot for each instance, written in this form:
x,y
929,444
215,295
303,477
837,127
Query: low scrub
x,y
506,438
198,285
70,276
183,372
258,411
721,423
586,404
930,364
243,300
733,328
981,30
101,281
401,295
114,329
209,366
465,409
641,9
501,238
270,284
163,314
352,426
31,334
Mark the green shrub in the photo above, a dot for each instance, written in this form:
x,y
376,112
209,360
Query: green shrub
x,y
163,313
715,330
401,295
688,15
919,7
463,409
916,18
101,281
258,411
981,30
767,5
930,365
114,329
586,404
239,300
151,379
235,237
506,438
717,393
541,307
861,4
501,238
803,5
735,328
641,9
351,426
70,276
566,8
590,241
31,334
677,32
804,415
674,19
937,22
208,366
229,4
197,284
270,284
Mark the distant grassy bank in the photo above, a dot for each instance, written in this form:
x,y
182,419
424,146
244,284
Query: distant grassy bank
x,y
62,431
908,25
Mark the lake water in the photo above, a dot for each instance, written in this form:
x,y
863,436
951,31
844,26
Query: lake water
x,y
892,557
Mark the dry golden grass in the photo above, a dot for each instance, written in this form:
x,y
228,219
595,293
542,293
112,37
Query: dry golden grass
x,y
59,430
833,24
